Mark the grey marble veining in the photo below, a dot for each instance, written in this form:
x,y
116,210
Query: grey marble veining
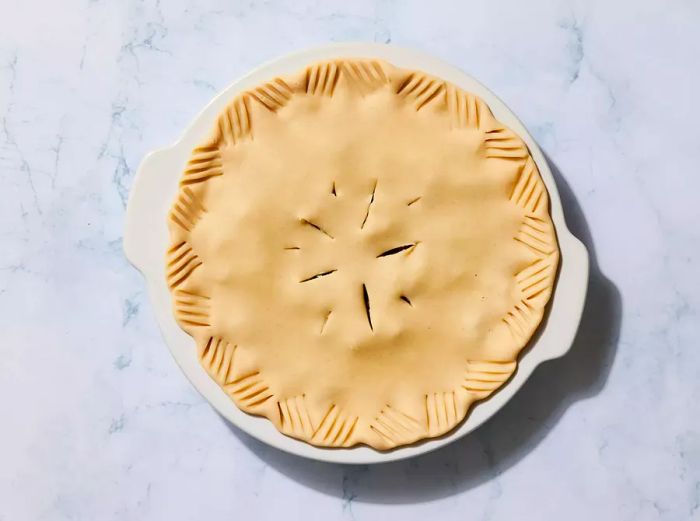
x,y
99,423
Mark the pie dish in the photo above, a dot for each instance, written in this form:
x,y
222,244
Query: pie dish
x,y
361,250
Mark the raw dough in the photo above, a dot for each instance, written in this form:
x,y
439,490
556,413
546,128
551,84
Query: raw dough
x,y
360,253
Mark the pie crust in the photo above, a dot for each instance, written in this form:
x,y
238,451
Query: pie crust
x,y
360,253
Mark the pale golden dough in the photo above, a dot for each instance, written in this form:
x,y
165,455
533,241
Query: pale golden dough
x,y
360,253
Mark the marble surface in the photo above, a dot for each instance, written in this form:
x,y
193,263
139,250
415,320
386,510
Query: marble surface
x,y
99,423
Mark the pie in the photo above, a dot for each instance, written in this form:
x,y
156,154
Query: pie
x,y
360,252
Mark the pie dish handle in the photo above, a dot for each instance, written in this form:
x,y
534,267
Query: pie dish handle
x,y
569,296
146,205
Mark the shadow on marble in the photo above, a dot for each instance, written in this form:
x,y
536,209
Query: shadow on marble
x,y
505,439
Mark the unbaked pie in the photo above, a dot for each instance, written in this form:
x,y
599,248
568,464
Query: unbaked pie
x,y
360,253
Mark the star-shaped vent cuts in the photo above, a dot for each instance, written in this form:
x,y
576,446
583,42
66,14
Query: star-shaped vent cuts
x,y
354,250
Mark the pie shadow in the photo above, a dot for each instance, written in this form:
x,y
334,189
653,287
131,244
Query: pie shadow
x,y
503,440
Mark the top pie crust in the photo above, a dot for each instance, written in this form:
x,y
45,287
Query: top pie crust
x,y
360,253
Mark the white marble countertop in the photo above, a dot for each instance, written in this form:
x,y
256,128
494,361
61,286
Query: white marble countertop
x,y
100,424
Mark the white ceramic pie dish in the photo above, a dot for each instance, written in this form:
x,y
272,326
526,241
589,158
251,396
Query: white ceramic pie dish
x,y
146,240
